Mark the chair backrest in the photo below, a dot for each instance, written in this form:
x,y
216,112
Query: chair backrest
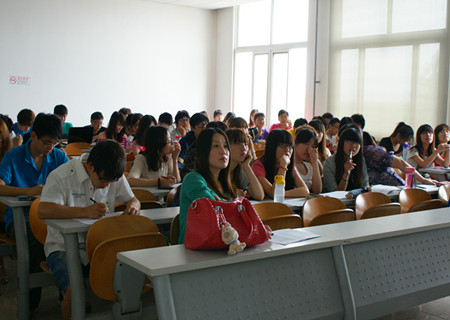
x,y
37,225
144,195
128,166
175,230
74,148
103,259
444,194
171,195
411,197
335,216
290,221
144,205
318,206
369,200
426,205
267,210
381,210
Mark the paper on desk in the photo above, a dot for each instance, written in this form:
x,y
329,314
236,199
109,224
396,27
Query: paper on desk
x,y
91,221
336,194
287,236
388,190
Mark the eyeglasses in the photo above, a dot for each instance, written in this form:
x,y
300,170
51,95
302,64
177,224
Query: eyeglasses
x,y
201,125
49,143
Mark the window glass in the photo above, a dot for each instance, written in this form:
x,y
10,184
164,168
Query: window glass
x,y
418,15
364,17
297,83
243,82
260,82
254,23
348,83
290,21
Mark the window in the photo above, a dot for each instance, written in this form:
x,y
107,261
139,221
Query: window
x,y
387,62
274,46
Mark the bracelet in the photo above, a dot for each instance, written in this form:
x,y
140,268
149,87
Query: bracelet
x,y
283,168
159,182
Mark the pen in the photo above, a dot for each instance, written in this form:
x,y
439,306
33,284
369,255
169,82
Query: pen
x,y
351,154
92,199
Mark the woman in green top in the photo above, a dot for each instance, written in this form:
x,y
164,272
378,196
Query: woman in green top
x,y
212,176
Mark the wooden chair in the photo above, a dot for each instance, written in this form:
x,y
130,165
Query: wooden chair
x,y
268,210
333,210
109,236
171,195
444,194
413,200
144,205
144,195
175,230
375,204
290,221
38,227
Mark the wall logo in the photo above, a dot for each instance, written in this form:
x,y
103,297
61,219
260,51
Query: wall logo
x,y
19,80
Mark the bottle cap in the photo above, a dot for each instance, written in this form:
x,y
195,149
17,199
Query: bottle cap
x,y
279,180
406,145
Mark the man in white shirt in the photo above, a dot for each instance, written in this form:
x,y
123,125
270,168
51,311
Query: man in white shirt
x,y
83,189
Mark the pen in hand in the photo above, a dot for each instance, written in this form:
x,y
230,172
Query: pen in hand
x,y
92,199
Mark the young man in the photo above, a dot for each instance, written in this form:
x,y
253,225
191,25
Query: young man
x,y
218,115
96,125
83,189
182,126
25,119
333,128
165,119
61,111
198,123
23,171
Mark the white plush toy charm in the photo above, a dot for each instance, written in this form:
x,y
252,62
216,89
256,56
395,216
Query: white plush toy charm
x,y
230,236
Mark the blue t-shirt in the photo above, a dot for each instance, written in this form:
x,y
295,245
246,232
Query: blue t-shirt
x,y
19,132
18,169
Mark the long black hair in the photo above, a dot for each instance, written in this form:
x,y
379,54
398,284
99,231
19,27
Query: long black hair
x,y
156,139
356,179
319,127
111,132
276,138
223,187
144,124
438,129
236,136
419,145
405,131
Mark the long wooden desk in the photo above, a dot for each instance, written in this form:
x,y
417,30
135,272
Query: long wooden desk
x,y
69,229
355,270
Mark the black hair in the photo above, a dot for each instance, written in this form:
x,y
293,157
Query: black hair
x,y
60,110
165,118
228,116
236,136
133,118
25,117
198,118
153,120
124,111
275,138
327,115
321,119
405,131
359,120
438,129
47,125
419,145
223,187
300,122
281,112
144,124
217,112
257,115
97,115
334,120
8,121
251,121
305,134
217,124
237,122
318,125
367,139
356,178
155,140
108,159
180,115
111,131
345,120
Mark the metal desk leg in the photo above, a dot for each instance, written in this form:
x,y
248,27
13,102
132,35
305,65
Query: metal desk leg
x,y
23,267
75,276
164,298
344,283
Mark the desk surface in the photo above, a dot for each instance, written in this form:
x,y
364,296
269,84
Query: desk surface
x,y
155,190
14,202
159,216
174,259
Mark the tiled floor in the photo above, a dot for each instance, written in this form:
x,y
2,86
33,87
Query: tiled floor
x,y
49,309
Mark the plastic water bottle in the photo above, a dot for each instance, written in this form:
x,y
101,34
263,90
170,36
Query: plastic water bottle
x,y
405,150
278,195
409,178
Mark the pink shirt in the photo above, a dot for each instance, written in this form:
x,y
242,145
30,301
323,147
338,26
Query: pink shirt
x,y
259,170
278,126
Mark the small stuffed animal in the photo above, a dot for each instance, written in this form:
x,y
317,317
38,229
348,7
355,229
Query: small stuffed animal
x,y
230,236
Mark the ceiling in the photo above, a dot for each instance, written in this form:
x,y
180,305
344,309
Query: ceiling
x,y
203,4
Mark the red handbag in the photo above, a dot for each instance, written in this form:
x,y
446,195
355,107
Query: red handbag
x,y
205,218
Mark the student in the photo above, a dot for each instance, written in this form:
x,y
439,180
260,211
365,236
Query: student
x,y
259,129
327,116
324,153
240,123
24,171
242,176
157,166
278,159
95,128
125,112
441,135
131,125
283,117
115,130
165,119
139,138
218,115
228,117
182,126
346,169
83,189
297,124
251,121
331,134
380,164
61,111
423,154
198,123
25,119
307,158
212,176
402,133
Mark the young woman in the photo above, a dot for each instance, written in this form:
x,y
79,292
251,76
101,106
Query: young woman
x,y
278,159
259,129
441,135
157,166
132,124
115,130
346,169
307,158
283,117
324,153
242,176
402,133
212,176
240,123
139,138
251,121
228,117
423,154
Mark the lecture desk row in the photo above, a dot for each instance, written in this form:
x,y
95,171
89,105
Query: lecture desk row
x,y
69,228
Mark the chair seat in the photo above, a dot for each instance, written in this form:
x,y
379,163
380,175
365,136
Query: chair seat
x,y
381,210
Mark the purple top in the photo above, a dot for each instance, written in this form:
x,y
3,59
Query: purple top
x,y
379,169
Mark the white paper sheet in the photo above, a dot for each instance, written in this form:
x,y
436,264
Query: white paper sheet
x,y
287,236
91,221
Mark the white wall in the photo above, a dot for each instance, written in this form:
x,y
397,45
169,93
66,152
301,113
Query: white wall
x,y
105,54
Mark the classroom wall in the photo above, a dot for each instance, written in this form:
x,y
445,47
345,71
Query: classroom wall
x,y
106,54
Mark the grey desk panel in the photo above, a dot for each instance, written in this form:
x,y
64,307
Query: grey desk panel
x,y
392,274
298,286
